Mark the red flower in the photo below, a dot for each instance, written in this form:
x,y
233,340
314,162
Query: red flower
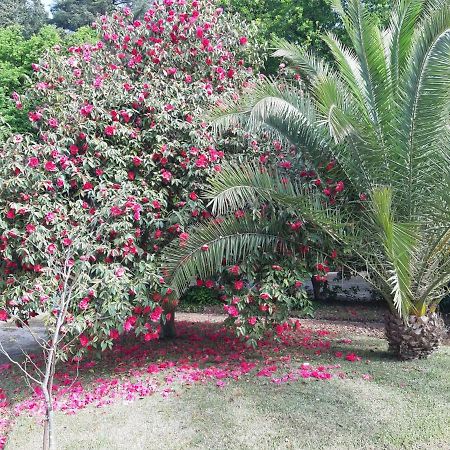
x,y
114,334
252,320
110,130
33,162
193,196
83,305
50,166
52,122
87,186
84,340
67,241
238,285
243,40
352,357
3,315
339,186
156,314
231,310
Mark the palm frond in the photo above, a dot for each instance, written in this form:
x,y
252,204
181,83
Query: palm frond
x,y
250,185
424,106
219,241
400,242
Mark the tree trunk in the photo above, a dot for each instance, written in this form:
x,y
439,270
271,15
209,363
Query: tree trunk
x,y
416,339
168,327
48,443
318,288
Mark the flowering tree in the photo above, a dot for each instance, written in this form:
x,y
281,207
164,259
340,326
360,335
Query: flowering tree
x,y
67,270
123,146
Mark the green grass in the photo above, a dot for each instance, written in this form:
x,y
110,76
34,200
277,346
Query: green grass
x,y
406,405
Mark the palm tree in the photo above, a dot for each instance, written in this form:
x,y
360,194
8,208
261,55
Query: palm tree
x,y
381,111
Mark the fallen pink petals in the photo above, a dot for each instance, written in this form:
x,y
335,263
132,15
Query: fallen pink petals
x,y
204,352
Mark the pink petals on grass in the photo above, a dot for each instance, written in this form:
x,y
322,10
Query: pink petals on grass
x,y
203,353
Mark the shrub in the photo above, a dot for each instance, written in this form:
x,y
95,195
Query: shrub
x,y
123,145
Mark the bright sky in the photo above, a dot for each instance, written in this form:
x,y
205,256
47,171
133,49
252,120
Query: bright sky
x,y
47,4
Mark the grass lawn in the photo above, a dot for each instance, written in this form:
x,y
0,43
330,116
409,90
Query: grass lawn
x,y
371,403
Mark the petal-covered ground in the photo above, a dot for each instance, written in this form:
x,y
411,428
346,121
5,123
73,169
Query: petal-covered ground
x,y
204,352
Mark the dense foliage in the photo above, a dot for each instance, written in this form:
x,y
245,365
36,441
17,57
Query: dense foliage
x,y
298,22
123,148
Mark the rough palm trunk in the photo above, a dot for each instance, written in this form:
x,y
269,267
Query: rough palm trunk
x,y
418,338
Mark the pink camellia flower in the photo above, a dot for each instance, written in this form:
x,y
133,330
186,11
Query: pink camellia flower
x,y
119,272
11,214
169,108
166,175
234,270
67,241
264,296
34,116
3,315
156,314
87,186
110,130
52,122
50,217
115,211
193,196
137,161
238,285
84,303
252,320
84,340
339,186
129,323
243,40
51,249
204,247
33,162
231,310
86,110
30,228
50,166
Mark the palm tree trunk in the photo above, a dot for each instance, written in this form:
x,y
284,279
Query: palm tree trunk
x,y
416,339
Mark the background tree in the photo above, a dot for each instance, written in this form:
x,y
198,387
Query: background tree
x,y
73,14
301,22
29,14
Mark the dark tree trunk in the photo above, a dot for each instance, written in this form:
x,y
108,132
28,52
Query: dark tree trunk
x,y
168,327
318,288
